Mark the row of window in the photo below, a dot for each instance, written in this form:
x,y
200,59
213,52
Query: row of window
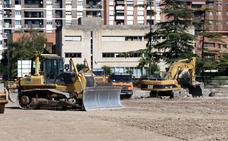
x,y
120,55
72,38
122,38
73,55
104,55
108,38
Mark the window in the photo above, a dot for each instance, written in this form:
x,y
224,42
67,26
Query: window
x,y
17,1
210,5
219,13
80,3
17,22
131,55
72,38
49,22
196,6
17,12
227,22
219,4
120,55
68,13
108,55
209,44
210,14
73,55
210,22
133,38
113,38
68,22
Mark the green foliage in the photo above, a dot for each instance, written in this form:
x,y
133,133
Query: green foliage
x,y
169,40
2,69
29,44
177,42
80,66
107,69
129,71
223,64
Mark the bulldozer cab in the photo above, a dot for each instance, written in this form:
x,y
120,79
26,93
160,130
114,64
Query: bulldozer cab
x,y
50,67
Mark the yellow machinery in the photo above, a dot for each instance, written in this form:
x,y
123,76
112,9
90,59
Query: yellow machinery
x,y
50,86
3,98
180,74
100,76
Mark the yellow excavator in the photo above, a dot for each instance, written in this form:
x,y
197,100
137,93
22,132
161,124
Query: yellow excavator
x,y
49,86
180,74
3,98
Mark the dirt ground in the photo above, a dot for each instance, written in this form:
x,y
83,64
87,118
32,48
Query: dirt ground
x,y
141,119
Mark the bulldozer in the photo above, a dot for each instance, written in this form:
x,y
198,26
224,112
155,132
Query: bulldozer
x,y
3,98
49,86
181,74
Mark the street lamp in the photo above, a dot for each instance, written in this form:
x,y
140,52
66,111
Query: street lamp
x,y
149,3
58,49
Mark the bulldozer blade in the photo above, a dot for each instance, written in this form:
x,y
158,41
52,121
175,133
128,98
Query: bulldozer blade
x,y
101,97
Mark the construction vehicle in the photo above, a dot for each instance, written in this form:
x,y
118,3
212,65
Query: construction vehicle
x,y
180,74
3,98
99,76
49,86
125,82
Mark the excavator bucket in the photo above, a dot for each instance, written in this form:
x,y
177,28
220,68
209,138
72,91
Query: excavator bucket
x,y
101,97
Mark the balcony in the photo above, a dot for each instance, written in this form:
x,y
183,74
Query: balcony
x,y
33,15
33,6
7,6
5,16
120,2
34,26
57,5
119,7
7,25
119,17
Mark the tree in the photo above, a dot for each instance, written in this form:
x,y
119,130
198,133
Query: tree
x,y
81,67
177,42
24,48
107,70
169,40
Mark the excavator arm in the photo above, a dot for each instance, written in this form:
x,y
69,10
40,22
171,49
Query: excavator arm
x,y
179,66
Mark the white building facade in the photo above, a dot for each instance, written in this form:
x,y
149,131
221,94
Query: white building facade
x,y
106,45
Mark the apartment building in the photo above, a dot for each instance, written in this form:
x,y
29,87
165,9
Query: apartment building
x,y
24,15
217,18
43,15
131,12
